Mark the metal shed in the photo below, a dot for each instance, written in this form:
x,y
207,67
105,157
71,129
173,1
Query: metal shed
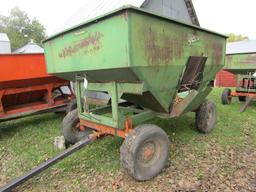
x,y
30,47
182,10
5,45
246,46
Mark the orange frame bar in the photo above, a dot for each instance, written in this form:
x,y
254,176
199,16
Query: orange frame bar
x,y
237,94
19,110
107,130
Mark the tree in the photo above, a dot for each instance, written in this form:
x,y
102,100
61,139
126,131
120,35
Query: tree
x,y
21,29
233,37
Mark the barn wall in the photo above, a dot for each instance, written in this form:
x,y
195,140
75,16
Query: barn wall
x,y
225,79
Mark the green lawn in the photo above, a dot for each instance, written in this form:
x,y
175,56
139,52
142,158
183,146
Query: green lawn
x,y
224,159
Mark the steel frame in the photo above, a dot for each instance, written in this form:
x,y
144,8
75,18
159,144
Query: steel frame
x,y
13,112
243,94
244,90
119,124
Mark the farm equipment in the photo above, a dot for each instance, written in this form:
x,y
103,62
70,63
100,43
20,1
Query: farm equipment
x,y
150,66
243,66
26,88
158,66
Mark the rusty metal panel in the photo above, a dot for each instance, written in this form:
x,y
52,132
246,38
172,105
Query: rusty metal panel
x,y
193,74
160,49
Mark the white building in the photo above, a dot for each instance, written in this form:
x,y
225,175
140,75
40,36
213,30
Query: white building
x,y
5,45
30,47
246,46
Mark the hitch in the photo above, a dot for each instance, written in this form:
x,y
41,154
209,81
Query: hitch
x,y
18,181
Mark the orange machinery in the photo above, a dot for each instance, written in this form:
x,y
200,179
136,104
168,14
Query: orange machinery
x,y
26,88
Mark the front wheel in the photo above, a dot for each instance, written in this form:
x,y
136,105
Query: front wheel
x,y
71,128
72,105
226,96
206,117
145,152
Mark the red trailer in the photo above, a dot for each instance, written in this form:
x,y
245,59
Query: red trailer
x,y
26,88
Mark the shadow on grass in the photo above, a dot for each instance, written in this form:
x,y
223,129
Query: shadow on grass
x,y
12,127
182,128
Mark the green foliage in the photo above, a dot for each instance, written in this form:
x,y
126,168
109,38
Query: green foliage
x,y
21,29
233,37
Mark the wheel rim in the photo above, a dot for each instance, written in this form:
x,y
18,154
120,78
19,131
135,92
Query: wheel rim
x,y
76,127
148,153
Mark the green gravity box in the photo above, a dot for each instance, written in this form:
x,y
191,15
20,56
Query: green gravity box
x,y
130,46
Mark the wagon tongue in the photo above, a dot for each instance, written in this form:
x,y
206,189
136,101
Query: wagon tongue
x,y
18,181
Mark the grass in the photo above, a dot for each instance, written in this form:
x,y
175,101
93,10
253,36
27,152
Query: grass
x,y
24,143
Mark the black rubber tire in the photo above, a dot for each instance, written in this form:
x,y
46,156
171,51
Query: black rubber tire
x,y
72,105
71,134
242,98
206,117
225,97
131,150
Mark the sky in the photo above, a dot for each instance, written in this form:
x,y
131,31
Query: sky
x,y
223,16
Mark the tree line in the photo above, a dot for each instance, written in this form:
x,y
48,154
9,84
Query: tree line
x,y
21,29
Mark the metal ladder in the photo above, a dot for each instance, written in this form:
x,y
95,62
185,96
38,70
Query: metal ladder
x,y
192,12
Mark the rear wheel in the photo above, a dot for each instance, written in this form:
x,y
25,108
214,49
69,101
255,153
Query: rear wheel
x,y
71,128
226,96
206,117
145,152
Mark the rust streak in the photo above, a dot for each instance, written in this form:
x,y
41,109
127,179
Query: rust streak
x,y
125,15
160,48
218,53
